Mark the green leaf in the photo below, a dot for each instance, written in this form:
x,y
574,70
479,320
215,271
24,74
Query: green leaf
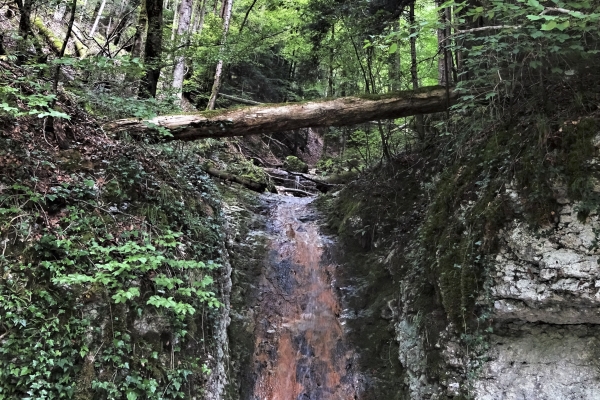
x,y
535,64
535,4
549,26
54,114
537,34
393,48
132,396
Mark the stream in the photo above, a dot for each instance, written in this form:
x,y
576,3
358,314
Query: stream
x,y
300,351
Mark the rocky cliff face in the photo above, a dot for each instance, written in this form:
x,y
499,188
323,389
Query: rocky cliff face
x,y
545,293
542,294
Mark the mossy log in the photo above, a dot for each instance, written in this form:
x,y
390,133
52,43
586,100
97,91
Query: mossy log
x,y
271,118
250,184
54,42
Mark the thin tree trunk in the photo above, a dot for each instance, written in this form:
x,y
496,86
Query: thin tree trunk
x,y
185,14
140,32
59,14
384,142
364,73
246,16
176,15
279,118
138,46
413,68
98,16
219,70
82,11
153,48
124,18
50,121
445,59
198,24
25,7
330,92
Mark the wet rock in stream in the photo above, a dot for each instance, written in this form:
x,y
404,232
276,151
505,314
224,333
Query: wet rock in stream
x,y
300,350
300,328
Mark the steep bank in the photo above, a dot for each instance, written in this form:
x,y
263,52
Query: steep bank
x,y
115,283
487,261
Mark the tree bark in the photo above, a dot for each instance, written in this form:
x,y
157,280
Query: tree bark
x,y
185,16
444,35
153,48
25,8
140,32
250,184
420,128
121,26
176,11
59,13
50,121
286,117
81,15
199,17
98,16
219,70
246,16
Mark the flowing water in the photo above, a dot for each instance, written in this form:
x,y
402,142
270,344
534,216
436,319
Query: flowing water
x,y
300,350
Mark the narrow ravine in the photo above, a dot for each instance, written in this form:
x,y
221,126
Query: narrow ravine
x,y
300,350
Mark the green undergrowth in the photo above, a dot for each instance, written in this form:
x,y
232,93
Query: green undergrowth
x,y
109,258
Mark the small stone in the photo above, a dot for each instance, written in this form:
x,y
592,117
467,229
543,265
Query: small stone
x,y
566,219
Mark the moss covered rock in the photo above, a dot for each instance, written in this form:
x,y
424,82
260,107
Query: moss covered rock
x,y
295,164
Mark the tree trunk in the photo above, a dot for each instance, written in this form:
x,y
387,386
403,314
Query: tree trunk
x,y
98,16
246,16
330,90
61,54
287,117
445,60
153,48
413,68
199,18
219,70
250,184
176,15
25,8
59,13
140,32
185,16
82,13
124,19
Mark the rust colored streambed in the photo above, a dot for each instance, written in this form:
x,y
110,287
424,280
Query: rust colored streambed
x,y
300,351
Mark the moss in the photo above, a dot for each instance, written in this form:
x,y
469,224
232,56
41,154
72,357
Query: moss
x,y
292,163
80,49
84,382
393,95
55,43
470,203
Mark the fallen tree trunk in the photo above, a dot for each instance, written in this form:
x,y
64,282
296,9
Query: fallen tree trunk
x,y
286,117
240,100
252,185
